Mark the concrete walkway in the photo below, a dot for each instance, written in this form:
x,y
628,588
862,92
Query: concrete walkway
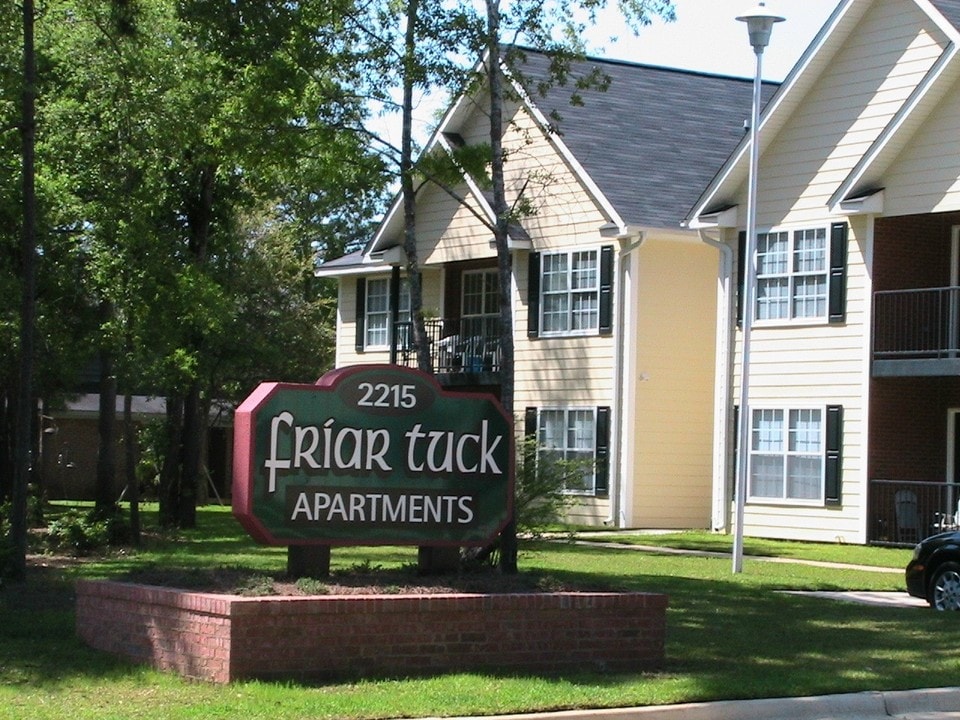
x,y
747,558
884,599
933,704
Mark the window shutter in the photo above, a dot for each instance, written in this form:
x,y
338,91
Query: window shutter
x,y
741,270
606,290
834,455
530,422
394,289
838,273
533,295
603,451
361,314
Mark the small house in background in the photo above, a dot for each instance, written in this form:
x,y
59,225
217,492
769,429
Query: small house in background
x,y
69,446
614,302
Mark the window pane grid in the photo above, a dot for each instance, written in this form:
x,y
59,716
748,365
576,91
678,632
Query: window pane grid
x,y
570,292
787,454
792,275
569,435
377,315
377,304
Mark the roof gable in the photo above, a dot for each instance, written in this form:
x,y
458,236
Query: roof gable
x,y
643,149
839,33
654,138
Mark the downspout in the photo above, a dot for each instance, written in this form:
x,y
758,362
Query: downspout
x,y
722,492
621,381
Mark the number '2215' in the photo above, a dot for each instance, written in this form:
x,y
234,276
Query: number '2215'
x,y
382,395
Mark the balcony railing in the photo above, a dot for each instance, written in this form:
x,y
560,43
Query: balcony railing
x,y
905,512
916,324
457,345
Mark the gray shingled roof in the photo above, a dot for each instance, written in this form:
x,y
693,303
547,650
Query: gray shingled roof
x,y
950,9
655,138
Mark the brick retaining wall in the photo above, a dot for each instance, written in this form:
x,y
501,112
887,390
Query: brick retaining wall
x,y
228,637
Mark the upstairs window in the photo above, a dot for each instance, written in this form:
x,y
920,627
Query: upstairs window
x,y
792,275
570,293
374,311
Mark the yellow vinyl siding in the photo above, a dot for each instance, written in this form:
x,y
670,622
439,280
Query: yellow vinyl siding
x,y
671,435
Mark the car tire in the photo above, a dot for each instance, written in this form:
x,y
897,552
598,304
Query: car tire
x,y
945,587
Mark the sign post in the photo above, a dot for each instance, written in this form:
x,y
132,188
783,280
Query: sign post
x,y
372,455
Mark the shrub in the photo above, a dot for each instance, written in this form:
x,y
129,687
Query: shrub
x,y
84,531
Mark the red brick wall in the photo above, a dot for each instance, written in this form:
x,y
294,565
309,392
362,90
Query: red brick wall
x,y
912,251
223,638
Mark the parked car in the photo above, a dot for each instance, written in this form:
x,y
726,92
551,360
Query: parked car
x,y
934,571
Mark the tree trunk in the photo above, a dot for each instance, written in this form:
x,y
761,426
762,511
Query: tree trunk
x,y
508,537
193,429
414,276
6,448
28,251
130,468
169,490
106,495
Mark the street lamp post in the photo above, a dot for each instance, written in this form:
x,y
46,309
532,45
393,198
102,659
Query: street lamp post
x,y
759,26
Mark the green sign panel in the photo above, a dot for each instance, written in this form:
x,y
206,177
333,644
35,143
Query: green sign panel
x,y
372,454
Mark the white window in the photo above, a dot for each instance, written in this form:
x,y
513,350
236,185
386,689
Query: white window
x,y
792,275
569,434
570,293
377,311
787,454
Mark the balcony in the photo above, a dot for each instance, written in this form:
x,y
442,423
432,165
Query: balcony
x,y
916,332
903,513
463,351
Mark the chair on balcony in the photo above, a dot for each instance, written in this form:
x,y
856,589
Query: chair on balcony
x,y
948,520
908,521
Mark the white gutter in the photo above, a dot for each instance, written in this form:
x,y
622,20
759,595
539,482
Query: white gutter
x,y
720,513
623,378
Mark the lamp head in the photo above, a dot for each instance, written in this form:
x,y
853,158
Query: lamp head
x,y
760,24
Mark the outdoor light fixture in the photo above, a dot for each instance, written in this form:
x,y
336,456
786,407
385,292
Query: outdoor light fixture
x,y
759,26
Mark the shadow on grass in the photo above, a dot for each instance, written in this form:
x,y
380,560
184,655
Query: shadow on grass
x,y
727,637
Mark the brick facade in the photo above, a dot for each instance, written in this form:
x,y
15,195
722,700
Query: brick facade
x,y
226,637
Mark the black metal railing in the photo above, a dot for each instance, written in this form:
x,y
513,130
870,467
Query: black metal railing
x,y
904,512
457,345
916,324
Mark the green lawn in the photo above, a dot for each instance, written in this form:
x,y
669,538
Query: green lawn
x,y
728,637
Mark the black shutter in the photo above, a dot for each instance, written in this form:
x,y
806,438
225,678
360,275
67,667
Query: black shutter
x,y
606,290
741,277
394,312
603,451
838,272
530,422
361,314
834,455
533,295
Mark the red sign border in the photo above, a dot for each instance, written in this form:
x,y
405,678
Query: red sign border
x,y
243,455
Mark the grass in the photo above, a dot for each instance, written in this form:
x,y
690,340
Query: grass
x,y
728,637
709,542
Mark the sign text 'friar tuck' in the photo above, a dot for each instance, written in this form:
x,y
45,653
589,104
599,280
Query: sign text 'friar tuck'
x,y
372,454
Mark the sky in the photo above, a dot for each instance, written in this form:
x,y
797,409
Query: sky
x,y
705,37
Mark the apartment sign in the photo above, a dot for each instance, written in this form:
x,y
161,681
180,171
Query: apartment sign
x,y
371,455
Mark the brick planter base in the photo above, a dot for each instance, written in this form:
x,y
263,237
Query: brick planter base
x,y
227,637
